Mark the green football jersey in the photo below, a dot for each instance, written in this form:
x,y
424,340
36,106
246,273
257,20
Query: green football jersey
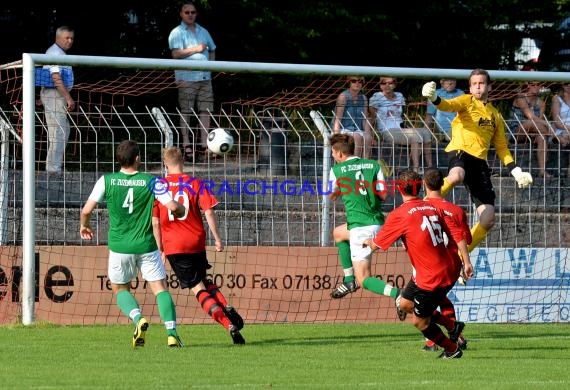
x,y
357,179
130,202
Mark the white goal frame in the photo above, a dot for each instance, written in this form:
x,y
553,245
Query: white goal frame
x,y
30,61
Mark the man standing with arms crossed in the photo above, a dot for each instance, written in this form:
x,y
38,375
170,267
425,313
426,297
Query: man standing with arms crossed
x,y
184,242
192,42
133,245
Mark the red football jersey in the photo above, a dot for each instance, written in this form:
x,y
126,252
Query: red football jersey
x,y
455,219
186,234
420,225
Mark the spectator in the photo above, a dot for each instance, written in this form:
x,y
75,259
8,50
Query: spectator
x,y
443,119
560,114
192,42
57,101
350,116
527,120
387,107
477,126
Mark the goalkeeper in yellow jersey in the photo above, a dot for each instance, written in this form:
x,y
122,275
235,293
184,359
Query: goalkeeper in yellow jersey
x,y
477,126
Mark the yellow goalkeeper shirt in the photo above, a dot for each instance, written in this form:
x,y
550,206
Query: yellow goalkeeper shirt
x,y
475,127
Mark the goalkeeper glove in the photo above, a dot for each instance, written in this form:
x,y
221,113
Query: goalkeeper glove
x,y
524,179
428,91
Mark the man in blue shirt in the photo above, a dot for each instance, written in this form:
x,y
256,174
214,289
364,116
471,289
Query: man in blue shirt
x,y
57,101
443,119
190,41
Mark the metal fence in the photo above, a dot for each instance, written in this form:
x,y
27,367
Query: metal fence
x,y
269,186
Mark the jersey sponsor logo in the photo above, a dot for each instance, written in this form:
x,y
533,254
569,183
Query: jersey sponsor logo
x,y
356,167
484,122
128,182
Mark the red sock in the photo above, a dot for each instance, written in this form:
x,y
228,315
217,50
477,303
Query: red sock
x,y
446,308
434,333
213,308
216,293
442,320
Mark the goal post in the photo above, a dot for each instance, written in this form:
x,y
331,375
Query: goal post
x,y
30,61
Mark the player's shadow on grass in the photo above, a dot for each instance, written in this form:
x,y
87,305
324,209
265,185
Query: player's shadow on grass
x,y
340,339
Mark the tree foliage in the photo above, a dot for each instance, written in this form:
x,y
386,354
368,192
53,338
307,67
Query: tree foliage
x,y
367,32
443,34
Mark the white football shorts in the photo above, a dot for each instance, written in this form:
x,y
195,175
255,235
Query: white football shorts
x,y
124,267
357,237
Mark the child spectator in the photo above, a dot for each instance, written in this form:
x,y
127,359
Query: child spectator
x,y
443,119
387,107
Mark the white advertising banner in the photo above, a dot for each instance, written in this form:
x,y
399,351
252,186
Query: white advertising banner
x,y
515,285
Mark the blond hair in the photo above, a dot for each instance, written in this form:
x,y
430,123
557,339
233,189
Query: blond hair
x,y
172,156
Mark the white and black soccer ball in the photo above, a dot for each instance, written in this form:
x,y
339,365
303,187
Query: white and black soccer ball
x,y
220,141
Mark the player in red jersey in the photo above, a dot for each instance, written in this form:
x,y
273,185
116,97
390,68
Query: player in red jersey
x,y
456,220
421,227
184,242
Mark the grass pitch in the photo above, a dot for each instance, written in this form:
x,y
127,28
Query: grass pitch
x,y
284,356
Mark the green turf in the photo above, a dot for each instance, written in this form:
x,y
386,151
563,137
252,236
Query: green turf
x,y
340,356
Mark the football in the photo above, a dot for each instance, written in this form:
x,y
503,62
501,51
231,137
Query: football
x,y
220,141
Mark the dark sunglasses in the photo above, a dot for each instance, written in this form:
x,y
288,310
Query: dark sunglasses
x,y
387,83
357,81
190,12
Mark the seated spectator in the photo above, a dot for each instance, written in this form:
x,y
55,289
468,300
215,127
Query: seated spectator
x,y
350,116
387,107
560,114
442,119
527,120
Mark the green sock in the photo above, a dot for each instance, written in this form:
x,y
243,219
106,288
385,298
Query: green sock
x,y
167,311
345,260
129,305
379,287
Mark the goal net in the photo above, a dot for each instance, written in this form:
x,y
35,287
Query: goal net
x,y
280,263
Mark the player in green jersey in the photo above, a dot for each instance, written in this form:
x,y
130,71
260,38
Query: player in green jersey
x,y
130,197
361,185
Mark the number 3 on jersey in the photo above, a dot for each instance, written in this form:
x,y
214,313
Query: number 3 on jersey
x,y
359,176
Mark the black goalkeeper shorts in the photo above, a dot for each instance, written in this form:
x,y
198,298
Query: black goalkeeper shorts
x,y
477,177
